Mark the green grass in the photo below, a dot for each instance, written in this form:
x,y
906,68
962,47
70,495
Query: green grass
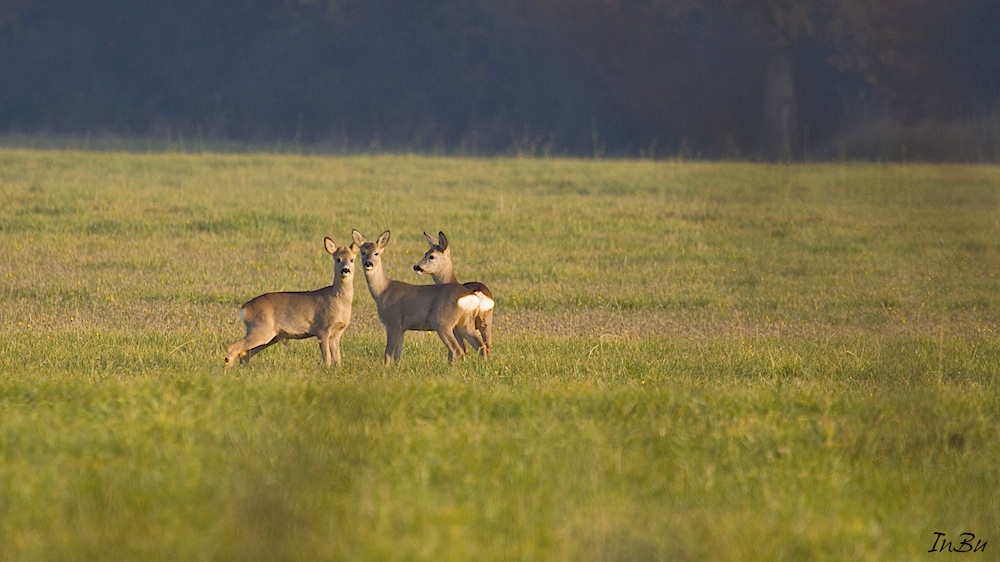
x,y
693,361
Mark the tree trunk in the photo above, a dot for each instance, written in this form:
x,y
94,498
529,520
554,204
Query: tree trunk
x,y
781,108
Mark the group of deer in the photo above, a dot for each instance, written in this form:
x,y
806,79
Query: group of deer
x,y
459,313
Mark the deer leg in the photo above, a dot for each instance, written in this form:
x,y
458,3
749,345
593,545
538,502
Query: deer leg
x,y
466,332
335,346
460,336
393,345
474,340
278,338
484,325
397,352
329,343
324,349
255,350
331,354
251,344
454,348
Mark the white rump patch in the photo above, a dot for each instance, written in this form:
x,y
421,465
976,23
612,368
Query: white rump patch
x,y
469,303
476,302
243,314
485,303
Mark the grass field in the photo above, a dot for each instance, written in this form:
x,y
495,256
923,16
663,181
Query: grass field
x,y
693,361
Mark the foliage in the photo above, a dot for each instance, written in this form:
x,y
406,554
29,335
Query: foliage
x,y
479,77
693,361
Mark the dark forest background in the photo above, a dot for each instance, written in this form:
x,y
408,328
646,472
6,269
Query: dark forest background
x,y
765,79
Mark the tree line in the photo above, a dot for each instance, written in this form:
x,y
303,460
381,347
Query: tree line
x,y
760,79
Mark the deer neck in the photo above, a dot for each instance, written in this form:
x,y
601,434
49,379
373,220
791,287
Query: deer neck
x,y
446,275
378,282
343,290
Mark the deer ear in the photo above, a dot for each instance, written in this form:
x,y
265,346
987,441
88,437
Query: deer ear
x,y
430,240
353,248
330,245
442,241
359,238
383,240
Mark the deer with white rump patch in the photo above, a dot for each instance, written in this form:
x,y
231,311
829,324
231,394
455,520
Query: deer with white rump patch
x,y
324,313
445,309
437,263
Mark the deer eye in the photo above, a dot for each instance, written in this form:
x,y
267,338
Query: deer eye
x,y
430,257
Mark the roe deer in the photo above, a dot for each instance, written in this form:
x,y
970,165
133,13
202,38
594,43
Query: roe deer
x,y
445,309
323,313
437,263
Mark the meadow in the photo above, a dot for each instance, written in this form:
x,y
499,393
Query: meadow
x,y
693,361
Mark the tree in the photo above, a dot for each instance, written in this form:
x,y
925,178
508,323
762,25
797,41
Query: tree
x,y
776,79
886,42
883,43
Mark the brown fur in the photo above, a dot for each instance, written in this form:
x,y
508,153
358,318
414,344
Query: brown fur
x,y
324,313
402,306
